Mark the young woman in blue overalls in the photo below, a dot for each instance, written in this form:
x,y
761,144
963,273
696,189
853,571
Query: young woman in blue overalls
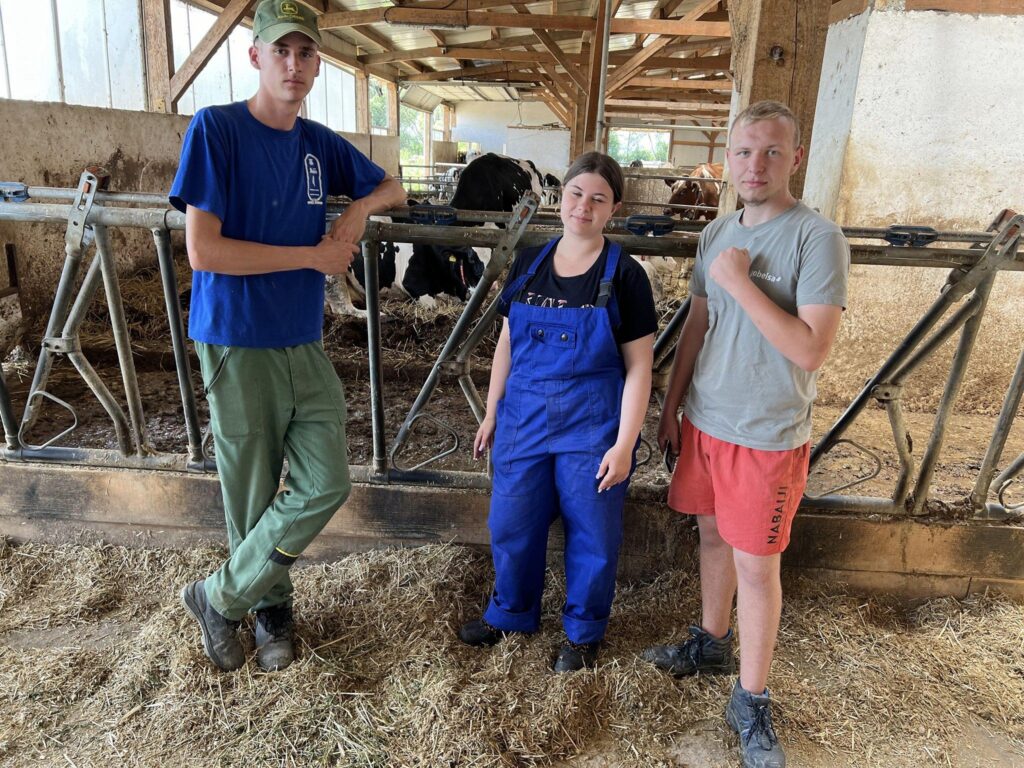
x,y
570,384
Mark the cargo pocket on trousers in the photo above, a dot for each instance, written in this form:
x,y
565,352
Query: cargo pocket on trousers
x,y
236,400
333,386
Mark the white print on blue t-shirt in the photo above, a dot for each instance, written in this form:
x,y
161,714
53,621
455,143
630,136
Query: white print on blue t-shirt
x,y
314,180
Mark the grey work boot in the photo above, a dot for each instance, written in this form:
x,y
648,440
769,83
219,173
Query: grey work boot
x,y
220,634
274,649
751,717
701,652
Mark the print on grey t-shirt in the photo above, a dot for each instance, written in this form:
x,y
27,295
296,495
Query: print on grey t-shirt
x,y
743,390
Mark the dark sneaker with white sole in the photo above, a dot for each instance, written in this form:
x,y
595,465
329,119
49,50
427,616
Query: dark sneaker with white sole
x,y
702,652
220,634
750,715
274,631
575,656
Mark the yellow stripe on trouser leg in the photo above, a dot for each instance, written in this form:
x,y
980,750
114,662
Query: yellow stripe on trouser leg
x,y
265,405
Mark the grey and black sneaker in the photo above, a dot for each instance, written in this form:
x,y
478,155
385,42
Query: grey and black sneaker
x,y
751,717
274,629
478,632
702,652
220,634
574,656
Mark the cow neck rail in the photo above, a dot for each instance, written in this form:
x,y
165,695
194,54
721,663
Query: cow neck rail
x,y
93,211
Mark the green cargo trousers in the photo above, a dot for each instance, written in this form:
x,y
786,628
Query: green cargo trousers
x,y
265,405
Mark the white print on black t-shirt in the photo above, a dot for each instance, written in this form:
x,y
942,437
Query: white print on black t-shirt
x,y
314,180
538,300
766,276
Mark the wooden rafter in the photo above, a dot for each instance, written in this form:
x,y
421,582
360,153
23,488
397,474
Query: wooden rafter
x,y
564,85
462,19
701,84
207,47
635,65
556,107
684,107
556,51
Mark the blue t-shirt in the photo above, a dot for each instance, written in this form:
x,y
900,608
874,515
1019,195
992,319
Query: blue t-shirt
x,y
266,186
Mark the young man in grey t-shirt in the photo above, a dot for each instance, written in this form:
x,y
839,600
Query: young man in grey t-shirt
x,y
767,294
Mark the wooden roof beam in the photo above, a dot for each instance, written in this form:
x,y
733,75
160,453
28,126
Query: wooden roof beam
x,y
207,47
420,17
701,84
634,65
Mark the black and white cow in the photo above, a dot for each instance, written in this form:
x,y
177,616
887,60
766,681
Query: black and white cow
x,y
552,196
489,182
495,183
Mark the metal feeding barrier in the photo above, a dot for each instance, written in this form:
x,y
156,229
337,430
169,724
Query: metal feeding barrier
x,y
87,213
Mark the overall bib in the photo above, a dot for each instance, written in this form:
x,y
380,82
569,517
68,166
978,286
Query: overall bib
x,y
559,416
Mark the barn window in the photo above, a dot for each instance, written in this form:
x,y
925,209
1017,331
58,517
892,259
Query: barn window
x,y
414,143
229,76
646,146
57,50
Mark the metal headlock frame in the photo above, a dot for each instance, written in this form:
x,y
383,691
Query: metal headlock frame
x,y
88,218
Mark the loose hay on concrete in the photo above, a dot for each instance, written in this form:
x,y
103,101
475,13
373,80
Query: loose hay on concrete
x,y
381,679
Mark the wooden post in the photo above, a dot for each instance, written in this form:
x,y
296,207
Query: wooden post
x,y
778,46
156,30
576,138
594,88
391,89
362,102
449,121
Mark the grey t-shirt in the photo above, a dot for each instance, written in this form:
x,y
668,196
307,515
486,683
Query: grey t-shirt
x,y
743,390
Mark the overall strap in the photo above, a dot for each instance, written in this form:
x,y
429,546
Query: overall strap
x,y
605,295
517,286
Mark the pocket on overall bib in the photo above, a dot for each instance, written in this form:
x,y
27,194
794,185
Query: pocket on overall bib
x,y
553,350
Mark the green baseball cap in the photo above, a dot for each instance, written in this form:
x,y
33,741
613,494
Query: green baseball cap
x,y
276,18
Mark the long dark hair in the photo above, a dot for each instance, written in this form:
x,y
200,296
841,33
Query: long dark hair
x,y
604,166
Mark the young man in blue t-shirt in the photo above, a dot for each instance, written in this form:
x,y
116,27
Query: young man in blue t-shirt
x,y
253,183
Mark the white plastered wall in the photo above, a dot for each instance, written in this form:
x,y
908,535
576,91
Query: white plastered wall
x,y
489,124
922,126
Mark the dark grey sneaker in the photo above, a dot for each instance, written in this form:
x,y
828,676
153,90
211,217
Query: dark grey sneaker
x,y
751,717
574,656
478,632
274,631
220,634
701,652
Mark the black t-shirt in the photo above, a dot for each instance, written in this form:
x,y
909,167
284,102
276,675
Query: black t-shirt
x,y
630,286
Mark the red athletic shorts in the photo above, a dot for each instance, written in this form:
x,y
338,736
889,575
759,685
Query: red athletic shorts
x,y
753,494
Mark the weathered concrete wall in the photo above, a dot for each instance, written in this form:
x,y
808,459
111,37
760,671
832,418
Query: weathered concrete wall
x,y
47,144
931,117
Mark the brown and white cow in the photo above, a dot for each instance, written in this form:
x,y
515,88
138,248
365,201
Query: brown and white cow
x,y
693,192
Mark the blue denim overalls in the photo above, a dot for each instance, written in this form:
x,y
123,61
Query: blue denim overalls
x,y
559,416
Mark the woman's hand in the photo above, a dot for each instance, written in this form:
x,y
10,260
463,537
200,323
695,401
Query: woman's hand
x,y
615,466
484,439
